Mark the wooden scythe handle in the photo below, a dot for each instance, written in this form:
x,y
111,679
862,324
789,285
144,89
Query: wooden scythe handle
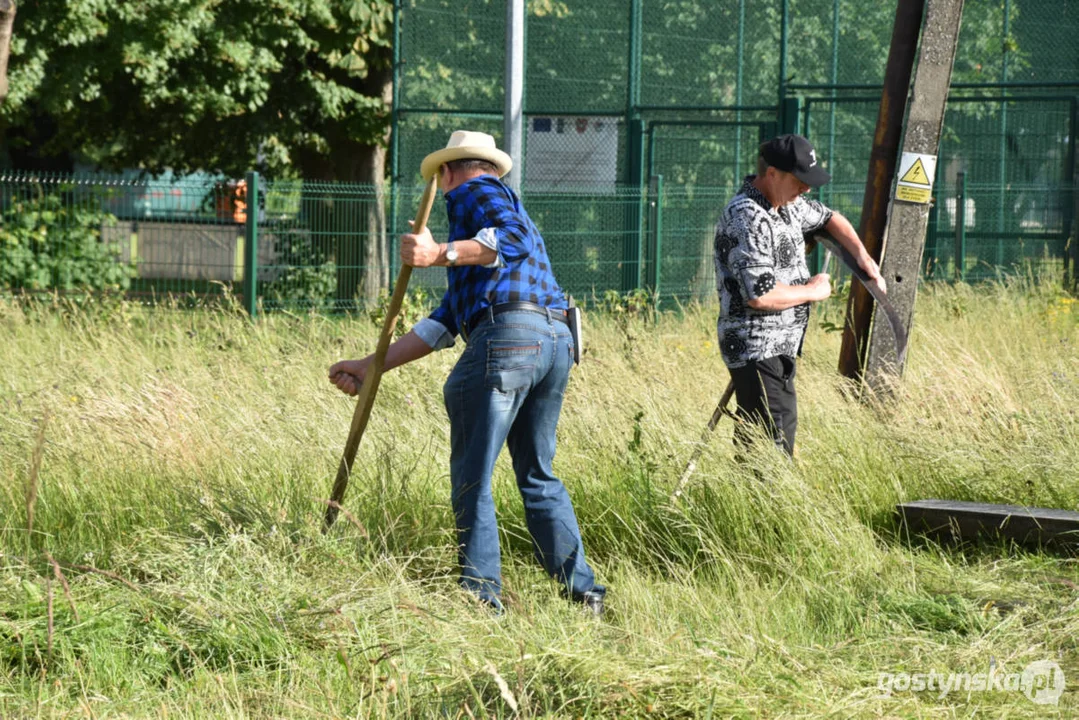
x,y
369,389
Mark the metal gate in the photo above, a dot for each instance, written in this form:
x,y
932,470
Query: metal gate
x,y
694,167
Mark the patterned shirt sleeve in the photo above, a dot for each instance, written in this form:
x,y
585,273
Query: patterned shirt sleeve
x,y
752,258
490,207
813,213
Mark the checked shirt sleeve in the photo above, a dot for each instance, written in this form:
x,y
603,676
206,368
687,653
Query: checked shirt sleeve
x,y
439,328
489,238
751,257
491,208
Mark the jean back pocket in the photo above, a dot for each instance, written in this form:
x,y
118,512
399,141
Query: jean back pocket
x,y
511,364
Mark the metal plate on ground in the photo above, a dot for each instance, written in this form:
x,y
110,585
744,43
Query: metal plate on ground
x,y
963,520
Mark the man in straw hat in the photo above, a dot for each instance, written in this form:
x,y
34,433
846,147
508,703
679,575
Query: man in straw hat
x,y
508,384
764,284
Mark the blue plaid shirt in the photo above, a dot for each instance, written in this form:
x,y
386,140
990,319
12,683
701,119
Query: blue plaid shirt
x,y
486,210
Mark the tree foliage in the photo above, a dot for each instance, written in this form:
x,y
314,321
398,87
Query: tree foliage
x,y
201,84
291,87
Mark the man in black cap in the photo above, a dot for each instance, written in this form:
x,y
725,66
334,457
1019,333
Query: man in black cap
x,y
764,284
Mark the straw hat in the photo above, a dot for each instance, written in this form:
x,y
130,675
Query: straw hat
x,y
468,145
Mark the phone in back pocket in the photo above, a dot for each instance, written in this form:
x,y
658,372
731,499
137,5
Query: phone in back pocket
x,y
573,315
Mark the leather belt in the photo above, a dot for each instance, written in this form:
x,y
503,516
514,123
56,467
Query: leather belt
x,y
489,312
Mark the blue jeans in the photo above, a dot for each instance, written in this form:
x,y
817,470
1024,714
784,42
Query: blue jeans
x,y
507,387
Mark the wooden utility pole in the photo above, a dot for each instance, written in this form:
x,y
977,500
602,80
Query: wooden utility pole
x,y
878,187
870,354
909,215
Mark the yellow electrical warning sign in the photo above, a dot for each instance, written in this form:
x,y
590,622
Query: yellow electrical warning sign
x,y
916,175
915,182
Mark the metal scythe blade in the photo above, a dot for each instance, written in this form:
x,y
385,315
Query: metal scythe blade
x,y
899,331
366,399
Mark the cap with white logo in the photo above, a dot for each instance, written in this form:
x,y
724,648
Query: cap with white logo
x,y
794,154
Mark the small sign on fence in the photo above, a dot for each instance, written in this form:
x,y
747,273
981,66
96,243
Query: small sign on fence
x,y
570,153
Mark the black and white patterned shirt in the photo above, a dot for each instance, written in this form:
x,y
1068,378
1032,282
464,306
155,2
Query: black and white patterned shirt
x,y
757,246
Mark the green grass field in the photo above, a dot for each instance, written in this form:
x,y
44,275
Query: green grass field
x,y
163,473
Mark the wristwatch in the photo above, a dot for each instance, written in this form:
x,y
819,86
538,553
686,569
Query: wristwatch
x,y
451,254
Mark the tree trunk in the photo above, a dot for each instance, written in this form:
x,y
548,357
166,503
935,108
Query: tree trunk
x,y
7,21
376,265
355,224
373,172
363,265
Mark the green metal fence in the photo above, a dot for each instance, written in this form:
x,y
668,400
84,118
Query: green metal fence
x,y
642,118
693,87
181,236
284,243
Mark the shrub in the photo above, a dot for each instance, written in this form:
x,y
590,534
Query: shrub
x,y
415,306
48,244
306,279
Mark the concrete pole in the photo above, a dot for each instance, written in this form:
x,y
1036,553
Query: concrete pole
x,y
882,163
904,235
513,113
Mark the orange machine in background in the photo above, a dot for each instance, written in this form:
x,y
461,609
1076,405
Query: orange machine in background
x,y
231,201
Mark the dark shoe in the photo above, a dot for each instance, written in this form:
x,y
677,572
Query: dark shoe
x,y
488,601
592,602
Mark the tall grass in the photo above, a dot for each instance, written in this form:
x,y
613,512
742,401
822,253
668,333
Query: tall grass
x,y
162,553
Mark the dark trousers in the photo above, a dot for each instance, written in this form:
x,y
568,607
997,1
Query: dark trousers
x,y
765,393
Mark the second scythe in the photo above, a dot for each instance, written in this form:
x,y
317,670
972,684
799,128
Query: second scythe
x,y
898,331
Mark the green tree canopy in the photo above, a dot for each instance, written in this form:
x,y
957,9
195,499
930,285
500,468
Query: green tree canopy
x,y
201,84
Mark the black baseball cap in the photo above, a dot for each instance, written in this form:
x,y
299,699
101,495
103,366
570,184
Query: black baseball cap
x,y
795,154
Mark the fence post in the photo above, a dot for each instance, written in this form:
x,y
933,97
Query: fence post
x,y
395,145
929,262
633,238
251,245
784,34
960,225
655,270
1071,204
634,216
789,112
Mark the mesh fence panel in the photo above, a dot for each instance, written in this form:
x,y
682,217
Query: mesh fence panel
x,y
642,117
453,54
583,234
578,56
702,83
178,236
709,54
1015,157
318,236
686,233
710,154
1044,33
